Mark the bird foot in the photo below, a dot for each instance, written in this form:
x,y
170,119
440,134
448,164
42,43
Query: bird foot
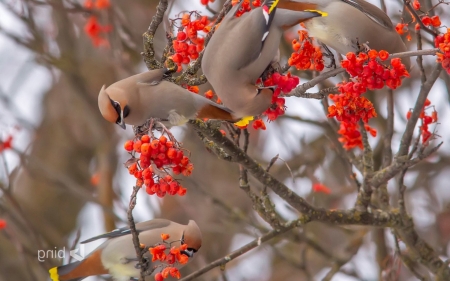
x,y
170,68
329,54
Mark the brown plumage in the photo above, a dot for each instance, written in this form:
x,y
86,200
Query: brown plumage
x,y
348,25
135,99
239,52
116,256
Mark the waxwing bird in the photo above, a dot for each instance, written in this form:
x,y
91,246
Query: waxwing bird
x,y
349,25
241,49
135,99
117,256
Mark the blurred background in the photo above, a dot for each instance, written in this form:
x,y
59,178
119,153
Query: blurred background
x,y
64,180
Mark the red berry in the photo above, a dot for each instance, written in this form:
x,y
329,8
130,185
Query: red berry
x,y
181,36
163,139
128,145
137,146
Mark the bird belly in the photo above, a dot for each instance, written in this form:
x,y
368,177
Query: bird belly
x,y
123,272
329,35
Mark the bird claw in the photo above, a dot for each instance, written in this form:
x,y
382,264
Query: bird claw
x,y
328,54
170,69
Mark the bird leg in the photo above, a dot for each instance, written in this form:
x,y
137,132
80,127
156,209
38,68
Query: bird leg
x,y
329,54
363,47
170,69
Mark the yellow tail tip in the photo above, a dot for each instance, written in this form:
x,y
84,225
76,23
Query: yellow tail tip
x,y
244,121
274,4
54,274
323,14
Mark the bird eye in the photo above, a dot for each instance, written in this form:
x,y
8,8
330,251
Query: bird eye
x,y
126,111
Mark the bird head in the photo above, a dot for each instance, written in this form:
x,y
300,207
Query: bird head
x,y
192,236
113,106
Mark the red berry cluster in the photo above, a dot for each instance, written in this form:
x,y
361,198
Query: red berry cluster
x,y
189,43
285,83
443,43
426,121
433,21
168,260
151,167
93,28
305,55
259,124
245,6
371,74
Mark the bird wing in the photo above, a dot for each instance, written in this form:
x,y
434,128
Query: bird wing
x,y
372,12
147,225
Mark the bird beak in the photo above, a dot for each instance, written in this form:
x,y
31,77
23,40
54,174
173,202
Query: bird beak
x,y
121,123
188,253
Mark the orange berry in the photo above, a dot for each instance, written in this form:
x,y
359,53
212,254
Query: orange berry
x,y
434,115
427,102
132,168
209,94
163,139
182,191
137,146
145,149
436,21
145,139
154,144
2,224
159,277
408,115
138,174
373,54
128,145
383,55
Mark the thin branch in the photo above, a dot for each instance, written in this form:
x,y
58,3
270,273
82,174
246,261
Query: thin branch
x,y
244,249
420,102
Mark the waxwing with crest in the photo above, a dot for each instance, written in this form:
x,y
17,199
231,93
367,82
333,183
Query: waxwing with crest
x,y
135,99
349,26
117,255
241,49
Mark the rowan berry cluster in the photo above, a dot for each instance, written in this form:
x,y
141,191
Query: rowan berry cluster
x,y
245,6
306,55
284,83
427,119
349,106
188,43
169,259
153,159
93,28
443,43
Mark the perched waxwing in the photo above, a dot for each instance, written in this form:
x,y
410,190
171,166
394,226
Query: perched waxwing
x,y
349,23
135,99
117,256
241,49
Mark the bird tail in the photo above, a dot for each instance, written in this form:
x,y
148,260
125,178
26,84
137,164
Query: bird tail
x,y
271,5
291,13
216,111
58,273
92,265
